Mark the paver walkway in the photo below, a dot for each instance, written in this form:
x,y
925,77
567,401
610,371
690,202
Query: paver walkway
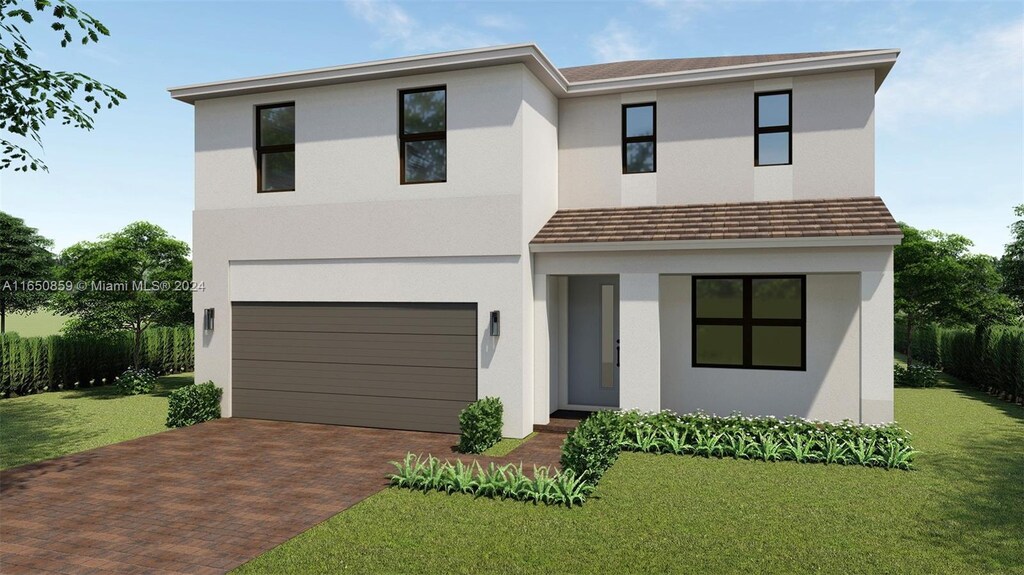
x,y
202,499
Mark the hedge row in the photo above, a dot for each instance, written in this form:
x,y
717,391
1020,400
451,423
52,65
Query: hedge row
x,y
36,364
991,358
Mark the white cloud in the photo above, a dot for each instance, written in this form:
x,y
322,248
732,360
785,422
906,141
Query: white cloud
x,y
676,13
617,42
938,77
499,22
397,27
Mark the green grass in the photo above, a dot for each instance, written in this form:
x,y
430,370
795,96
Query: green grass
x,y
35,324
506,446
48,425
961,512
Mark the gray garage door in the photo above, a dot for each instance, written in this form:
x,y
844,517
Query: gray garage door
x,y
398,366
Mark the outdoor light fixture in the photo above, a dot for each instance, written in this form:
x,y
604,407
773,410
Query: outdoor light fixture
x,y
208,319
495,323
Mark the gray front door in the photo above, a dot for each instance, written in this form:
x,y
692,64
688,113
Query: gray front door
x,y
594,340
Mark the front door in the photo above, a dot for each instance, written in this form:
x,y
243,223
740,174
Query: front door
x,y
593,341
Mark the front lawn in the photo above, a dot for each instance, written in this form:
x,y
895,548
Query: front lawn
x,y
48,425
961,512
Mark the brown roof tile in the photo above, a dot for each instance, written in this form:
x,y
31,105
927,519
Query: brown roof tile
x,y
633,68
865,216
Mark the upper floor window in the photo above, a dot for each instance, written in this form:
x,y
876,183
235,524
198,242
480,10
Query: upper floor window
x,y
773,127
275,148
422,134
639,154
750,322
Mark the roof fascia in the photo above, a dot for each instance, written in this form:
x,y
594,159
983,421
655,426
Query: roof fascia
x,y
740,243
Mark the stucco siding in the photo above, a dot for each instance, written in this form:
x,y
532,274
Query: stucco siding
x,y
829,388
346,143
705,145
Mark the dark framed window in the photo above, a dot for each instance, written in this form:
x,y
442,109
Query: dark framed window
x,y
752,322
639,148
275,148
773,128
422,135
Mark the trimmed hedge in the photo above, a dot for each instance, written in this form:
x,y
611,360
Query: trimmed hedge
x,y
991,358
193,404
35,364
480,423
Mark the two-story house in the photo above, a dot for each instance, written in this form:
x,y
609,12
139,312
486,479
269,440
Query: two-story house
x,y
383,243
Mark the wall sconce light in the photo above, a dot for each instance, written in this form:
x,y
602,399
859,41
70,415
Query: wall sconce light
x,y
495,323
208,319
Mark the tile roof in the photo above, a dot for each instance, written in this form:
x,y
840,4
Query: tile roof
x,y
634,68
864,216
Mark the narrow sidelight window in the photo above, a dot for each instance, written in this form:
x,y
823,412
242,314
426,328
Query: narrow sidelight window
x,y
275,148
773,128
422,135
639,152
756,322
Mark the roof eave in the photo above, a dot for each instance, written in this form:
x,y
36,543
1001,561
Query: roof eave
x,y
527,54
719,244
881,61
534,59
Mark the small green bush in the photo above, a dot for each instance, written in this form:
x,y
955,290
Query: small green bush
x,y
480,423
767,439
593,446
497,481
915,376
193,404
135,382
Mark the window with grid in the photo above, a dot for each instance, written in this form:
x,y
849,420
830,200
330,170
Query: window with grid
x,y
275,148
755,322
422,134
773,127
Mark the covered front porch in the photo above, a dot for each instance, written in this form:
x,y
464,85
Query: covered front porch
x,y
621,323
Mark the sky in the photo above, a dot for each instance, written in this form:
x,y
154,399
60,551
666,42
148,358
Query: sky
x,y
949,118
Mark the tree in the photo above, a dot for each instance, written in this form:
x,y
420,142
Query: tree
x,y
30,96
25,257
1012,263
119,283
937,280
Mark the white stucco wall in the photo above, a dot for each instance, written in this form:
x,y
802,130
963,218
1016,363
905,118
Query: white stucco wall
x,y
828,389
351,232
849,337
346,143
705,145
539,117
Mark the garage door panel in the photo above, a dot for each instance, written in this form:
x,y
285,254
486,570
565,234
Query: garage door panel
x,y
364,411
347,318
402,366
384,381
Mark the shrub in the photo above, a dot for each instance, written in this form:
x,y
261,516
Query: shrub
x,y
991,358
193,404
35,364
915,376
593,446
135,382
504,481
480,423
767,439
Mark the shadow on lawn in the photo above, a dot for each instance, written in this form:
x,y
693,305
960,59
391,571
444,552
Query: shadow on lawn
x,y
985,508
31,429
164,386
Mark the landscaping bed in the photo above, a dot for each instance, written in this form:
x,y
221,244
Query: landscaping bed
x,y
959,512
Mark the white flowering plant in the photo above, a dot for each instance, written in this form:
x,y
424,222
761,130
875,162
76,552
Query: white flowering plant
x,y
767,438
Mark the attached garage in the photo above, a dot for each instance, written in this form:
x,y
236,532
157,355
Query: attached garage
x,y
391,365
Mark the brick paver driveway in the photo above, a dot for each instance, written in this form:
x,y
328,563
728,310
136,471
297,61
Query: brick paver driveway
x,y
202,499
